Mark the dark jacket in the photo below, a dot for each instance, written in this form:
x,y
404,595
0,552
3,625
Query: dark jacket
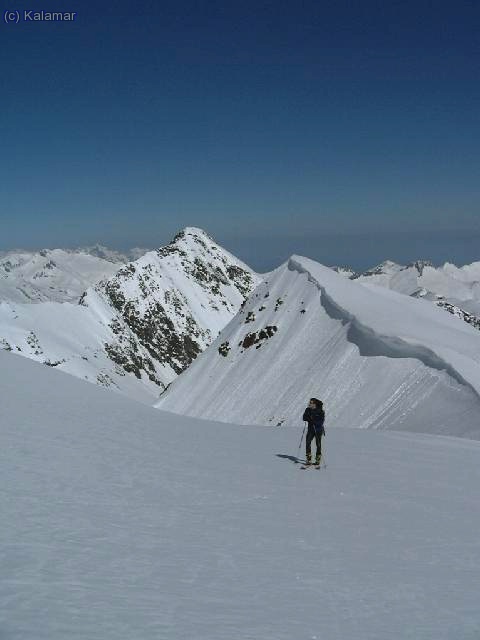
x,y
315,417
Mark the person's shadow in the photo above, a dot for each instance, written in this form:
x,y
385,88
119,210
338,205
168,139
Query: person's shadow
x,y
293,459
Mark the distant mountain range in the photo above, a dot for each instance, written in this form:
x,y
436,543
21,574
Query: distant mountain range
x,y
57,275
118,324
191,327
455,289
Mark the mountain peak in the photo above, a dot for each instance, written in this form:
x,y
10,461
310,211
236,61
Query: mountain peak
x,y
420,265
385,267
346,271
166,307
194,232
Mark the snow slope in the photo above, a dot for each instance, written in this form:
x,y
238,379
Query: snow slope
x,y
136,330
456,289
75,340
106,535
56,275
377,358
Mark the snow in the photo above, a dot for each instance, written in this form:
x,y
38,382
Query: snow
x,y
71,338
137,328
447,281
377,358
460,286
52,275
345,271
112,255
405,323
120,521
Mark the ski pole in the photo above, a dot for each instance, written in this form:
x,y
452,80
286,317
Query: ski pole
x,y
301,439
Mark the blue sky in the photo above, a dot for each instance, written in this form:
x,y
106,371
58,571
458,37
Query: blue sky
x,y
347,131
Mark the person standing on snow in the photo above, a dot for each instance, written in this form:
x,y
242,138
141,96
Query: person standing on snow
x,y
315,416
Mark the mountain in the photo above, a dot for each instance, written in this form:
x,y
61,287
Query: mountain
x,y
176,299
145,323
120,521
377,358
455,289
111,255
55,275
345,271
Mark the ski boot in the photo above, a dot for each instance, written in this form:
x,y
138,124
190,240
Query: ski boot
x,y
309,459
318,459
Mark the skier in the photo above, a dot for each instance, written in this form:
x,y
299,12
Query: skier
x,y
315,416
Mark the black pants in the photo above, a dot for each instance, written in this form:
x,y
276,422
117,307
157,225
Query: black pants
x,y
311,434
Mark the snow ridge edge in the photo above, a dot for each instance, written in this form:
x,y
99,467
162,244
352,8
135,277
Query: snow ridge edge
x,y
372,343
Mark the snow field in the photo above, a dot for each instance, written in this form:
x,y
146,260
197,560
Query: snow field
x,y
120,521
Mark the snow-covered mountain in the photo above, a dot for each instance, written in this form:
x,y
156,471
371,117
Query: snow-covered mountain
x,y
112,255
175,300
348,272
146,322
377,358
120,522
455,289
55,275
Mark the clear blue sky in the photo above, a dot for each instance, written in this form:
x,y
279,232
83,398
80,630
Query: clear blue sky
x,y
348,131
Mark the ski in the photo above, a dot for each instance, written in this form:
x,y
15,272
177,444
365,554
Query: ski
x,y
313,466
304,464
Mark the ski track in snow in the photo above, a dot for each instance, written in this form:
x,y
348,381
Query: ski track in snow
x,y
120,521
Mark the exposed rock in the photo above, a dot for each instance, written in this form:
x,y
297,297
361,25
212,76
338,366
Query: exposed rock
x,y
258,336
224,349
